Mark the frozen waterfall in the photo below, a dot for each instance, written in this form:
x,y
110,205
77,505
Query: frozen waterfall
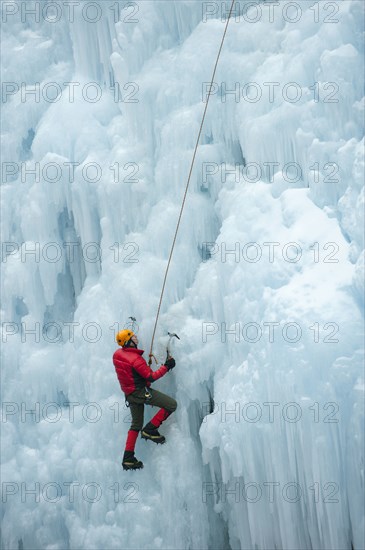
x,y
102,103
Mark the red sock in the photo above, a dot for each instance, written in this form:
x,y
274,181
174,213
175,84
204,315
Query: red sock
x,y
160,417
131,440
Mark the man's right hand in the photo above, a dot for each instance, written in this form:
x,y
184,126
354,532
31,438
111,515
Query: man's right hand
x,y
170,363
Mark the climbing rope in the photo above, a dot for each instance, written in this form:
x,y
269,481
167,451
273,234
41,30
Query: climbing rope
x,y
187,184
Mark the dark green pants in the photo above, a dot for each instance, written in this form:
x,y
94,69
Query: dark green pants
x,y
137,401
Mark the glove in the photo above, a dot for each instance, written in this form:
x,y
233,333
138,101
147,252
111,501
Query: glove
x,y
170,363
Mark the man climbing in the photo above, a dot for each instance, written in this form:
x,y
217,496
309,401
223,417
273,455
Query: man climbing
x,y
135,377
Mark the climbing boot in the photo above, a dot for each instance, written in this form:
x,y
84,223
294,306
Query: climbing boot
x,y
151,432
130,462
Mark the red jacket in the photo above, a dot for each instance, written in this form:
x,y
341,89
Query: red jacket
x,y
132,370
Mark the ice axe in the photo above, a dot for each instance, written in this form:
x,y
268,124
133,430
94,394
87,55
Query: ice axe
x,y
132,324
171,336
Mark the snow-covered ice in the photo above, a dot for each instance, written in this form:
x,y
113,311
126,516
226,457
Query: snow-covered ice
x,y
266,286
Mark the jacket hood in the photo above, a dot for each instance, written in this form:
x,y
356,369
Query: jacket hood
x,y
135,350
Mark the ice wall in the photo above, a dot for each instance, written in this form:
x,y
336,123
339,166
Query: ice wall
x,y
160,54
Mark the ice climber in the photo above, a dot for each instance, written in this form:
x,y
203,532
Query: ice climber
x,y
135,377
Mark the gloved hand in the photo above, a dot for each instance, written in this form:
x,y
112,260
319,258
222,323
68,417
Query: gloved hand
x,y
170,363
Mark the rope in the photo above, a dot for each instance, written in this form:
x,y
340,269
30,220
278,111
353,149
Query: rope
x,y
188,182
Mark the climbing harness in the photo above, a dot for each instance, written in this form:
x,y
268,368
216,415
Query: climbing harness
x,y
187,184
147,394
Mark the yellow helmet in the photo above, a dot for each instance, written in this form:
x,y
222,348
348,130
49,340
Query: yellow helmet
x,y
124,336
